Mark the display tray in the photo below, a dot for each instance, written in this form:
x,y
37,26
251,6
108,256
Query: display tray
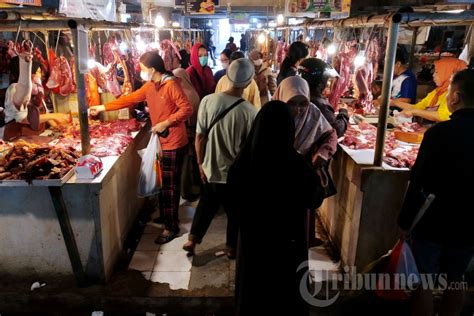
x,y
38,183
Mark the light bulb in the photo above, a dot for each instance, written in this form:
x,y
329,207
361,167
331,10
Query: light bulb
x,y
261,38
259,25
91,63
159,21
307,38
280,19
360,59
175,24
331,49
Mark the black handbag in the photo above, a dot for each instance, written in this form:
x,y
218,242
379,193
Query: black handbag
x,y
190,177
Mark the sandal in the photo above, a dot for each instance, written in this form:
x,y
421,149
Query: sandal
x,y
189,249
163,239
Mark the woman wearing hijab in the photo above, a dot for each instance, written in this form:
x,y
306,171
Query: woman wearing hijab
x,y
169,109
263,77
272,186
193,98
314,136
199,72
434,106
190,181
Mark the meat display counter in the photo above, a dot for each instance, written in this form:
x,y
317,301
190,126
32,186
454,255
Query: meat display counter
x,y
100,214
361,219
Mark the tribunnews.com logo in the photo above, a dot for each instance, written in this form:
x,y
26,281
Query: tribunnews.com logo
x,y
324,294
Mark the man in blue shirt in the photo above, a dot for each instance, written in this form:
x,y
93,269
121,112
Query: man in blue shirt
x,y
404,83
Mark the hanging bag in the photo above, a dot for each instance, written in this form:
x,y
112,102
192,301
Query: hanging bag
x,y
150,180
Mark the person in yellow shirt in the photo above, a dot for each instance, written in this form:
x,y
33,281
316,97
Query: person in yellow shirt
x,y
251,93
434,106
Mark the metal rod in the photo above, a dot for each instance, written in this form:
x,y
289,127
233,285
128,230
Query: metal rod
x,y
412,48
56,25
81,93
413,19
386,87
68,235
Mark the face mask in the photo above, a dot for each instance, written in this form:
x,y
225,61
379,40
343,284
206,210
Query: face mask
x,y
203,61
258,62
225,65
145,75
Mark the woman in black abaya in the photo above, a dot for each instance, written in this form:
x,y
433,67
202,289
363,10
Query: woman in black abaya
x,y
272,187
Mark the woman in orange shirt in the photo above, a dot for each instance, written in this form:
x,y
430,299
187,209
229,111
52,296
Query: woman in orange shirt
x,y
169,109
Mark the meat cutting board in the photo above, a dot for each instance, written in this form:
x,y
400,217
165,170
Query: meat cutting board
x,y
409,137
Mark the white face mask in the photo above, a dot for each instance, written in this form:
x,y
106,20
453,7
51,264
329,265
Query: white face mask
x,y
146,75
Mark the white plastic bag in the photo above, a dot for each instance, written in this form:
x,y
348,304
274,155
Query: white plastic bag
x,y
149,182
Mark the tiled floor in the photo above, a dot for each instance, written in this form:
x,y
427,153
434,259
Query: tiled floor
x,y
169,263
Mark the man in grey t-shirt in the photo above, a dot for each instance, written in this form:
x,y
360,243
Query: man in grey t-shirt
x,y
217,146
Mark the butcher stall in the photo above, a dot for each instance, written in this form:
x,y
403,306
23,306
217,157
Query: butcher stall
x,y
372,166
51,220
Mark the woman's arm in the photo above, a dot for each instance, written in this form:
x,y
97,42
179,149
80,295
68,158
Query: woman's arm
x,y
129,100
427,115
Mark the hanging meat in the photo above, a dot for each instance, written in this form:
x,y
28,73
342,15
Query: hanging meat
x,y
54,79
127,86
108,50
66,83
73,71
364,76
170,54
343,64
92,90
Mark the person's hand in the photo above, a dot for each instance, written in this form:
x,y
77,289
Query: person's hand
x,y
407,113
95,110
160,127
203,176
62,118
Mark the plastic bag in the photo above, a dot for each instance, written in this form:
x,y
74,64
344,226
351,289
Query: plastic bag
x,y
401,270
150,180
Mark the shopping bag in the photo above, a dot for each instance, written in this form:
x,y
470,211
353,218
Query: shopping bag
x,y
150,180
401,270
